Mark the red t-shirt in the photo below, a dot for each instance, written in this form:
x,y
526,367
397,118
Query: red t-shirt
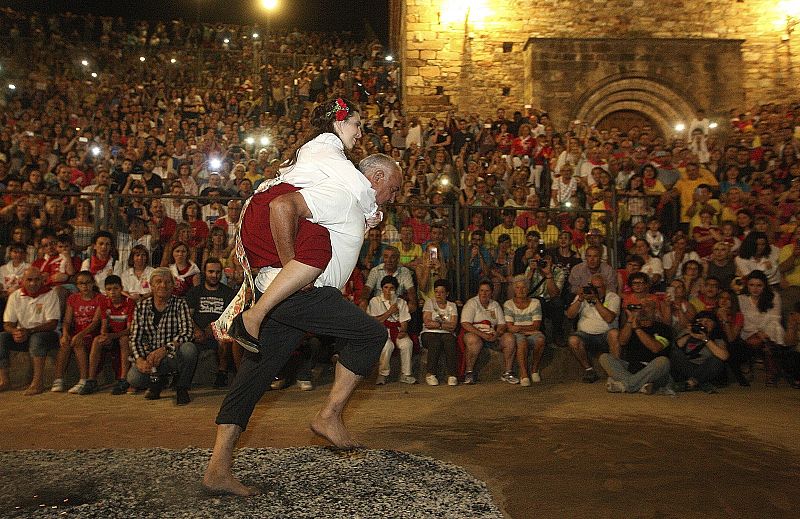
x,y
118,316
83,311
312,244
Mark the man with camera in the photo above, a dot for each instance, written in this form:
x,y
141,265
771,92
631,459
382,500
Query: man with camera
x,y
546,282
597,310
698,360
644,344
592,265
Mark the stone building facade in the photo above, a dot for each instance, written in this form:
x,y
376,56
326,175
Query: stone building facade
x,y
590,59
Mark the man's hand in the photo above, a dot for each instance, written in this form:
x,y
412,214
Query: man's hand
x,y
65,341
199,336
375,221
156,356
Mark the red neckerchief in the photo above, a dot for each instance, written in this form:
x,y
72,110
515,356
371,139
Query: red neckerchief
x,y
650,182
95,264
42,290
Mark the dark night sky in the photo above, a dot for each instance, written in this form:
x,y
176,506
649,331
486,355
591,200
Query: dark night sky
x,y
318,15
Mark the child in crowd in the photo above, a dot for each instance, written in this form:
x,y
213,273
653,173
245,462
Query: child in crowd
x,y
81,322
116,311
654,237
11,272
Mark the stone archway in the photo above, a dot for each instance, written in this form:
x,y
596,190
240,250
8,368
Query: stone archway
x,y
654,100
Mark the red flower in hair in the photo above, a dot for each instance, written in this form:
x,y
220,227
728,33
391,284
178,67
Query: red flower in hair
x,y
341,109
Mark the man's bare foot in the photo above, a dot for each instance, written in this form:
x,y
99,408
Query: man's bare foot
x,y
33,390
332,429
226,484
251,325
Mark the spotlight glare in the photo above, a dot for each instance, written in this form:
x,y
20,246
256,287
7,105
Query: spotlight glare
x,y
226,41
255,35
173,60
94,74
390,58
711,126
85,63
250,141
264,141
12,86
680,127
95,150
214,164
142,59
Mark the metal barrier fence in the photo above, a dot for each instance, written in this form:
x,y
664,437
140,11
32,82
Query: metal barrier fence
x,y
457,223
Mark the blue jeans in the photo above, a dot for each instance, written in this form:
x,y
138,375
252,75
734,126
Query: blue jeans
x,y
38,343
184,363
656,372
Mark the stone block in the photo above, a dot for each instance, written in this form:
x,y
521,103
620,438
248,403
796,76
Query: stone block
x,y
430,71
427,54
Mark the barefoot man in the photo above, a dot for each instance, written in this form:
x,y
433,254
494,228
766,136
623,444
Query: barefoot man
x,y
320,310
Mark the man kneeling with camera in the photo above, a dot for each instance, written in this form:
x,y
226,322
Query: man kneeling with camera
x,y
699,358
645,344
597,324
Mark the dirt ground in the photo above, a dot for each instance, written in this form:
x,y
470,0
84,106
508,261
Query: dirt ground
x,y
553,450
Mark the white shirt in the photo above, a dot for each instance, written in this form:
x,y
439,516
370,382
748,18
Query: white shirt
x,y
112,267
133,285
339,198
29,312
590,321
474,313
445,314
10,276
378,305
768,322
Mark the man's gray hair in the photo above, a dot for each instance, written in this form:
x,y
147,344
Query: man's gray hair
x,y
163,272
377,161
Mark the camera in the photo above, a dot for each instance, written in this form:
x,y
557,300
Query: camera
x,y
542,263
698,328
588,290
633,307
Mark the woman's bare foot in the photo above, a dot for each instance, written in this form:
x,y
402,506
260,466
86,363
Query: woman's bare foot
x,y
33,390
332,429
225,483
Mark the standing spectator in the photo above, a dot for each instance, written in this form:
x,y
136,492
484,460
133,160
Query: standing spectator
x,y
160,337
206,302
393,313
29,322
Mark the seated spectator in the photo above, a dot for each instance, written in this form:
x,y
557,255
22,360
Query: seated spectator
x,y
185,273
762,330
440,319
792,363
410,252
721,265
691,275
482,326
501,267
681,253
654,238
756,253
708,296
11,273
81,325
597,309
546,284
731,322
136,279
104,260
57,266
789,266
507,227
644,348
29,323
199,229
230,220
206,302
116,310
698,358
523,316
217,246
640,293
390,267
706,234
392,311
137,235
633,264
160,340
581,274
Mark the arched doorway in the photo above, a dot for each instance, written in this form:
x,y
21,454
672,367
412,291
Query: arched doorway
x,y
624,120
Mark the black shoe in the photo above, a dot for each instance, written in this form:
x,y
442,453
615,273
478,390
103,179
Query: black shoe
x,y
121,387
590,376
182,396
153,392
238,332
221,381
89,387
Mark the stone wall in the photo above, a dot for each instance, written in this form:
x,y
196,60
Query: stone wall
x,y
474,49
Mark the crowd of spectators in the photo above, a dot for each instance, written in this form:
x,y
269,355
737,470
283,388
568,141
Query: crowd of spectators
x,y
126,149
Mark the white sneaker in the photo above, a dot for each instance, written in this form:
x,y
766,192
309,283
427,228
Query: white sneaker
x,y
431,380
408,379
535,377
452,381
525,382
305,385
614,386
510,378
58,386
381,380
76,389
278,384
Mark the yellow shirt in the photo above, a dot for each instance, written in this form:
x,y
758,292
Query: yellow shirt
x,y
407,256
549,235
686,188
517,235
793,276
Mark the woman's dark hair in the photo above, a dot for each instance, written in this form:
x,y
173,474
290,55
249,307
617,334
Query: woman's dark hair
x,y
716,333
199,214
322,119
638,275
767,298
442,283
136,249
630,181
106,234
748,248
695,262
